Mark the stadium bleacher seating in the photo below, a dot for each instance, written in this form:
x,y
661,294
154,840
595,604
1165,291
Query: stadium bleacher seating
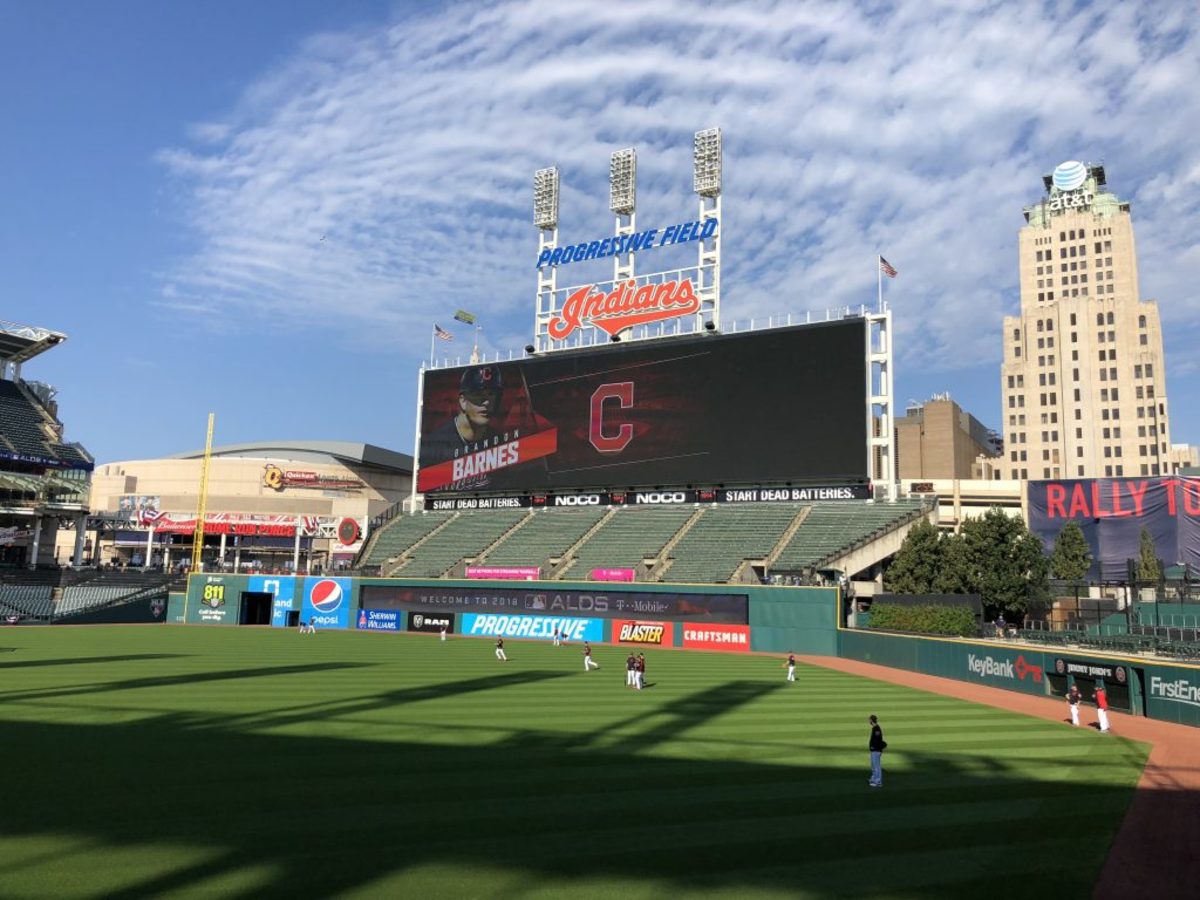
x,y
33,600
400,533
466,535
630,536
832,528
23,430
724,536
544,535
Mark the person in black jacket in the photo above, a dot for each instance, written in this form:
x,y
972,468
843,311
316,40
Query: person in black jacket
x,y
876,746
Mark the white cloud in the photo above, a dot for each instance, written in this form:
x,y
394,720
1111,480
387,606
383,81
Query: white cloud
x,y
382,178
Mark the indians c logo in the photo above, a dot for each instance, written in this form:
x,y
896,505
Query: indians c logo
x,y
326,596
273,477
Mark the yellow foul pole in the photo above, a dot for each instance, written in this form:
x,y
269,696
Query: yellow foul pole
x,y
198,535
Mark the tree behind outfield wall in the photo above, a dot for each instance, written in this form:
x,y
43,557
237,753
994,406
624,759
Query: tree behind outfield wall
x,y
1071,558
1149,568
917,563
1008,568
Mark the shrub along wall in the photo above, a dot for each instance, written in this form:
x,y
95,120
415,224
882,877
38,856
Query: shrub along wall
x,y
924,619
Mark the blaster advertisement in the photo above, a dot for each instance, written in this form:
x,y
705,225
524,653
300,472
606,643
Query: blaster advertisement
x,y
602,604
663,412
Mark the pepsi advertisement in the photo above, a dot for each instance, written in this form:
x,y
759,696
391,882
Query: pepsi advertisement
x,y
787,404
326,602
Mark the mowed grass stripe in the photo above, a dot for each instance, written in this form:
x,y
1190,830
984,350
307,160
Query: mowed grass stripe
x,y
345,763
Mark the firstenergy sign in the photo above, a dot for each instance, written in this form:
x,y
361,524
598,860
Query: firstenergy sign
x,y
1178,690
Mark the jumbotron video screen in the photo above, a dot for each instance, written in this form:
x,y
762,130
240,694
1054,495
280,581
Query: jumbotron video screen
x,y
786,404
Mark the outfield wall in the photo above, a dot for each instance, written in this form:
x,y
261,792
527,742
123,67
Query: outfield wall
x,y
1159,690
733,618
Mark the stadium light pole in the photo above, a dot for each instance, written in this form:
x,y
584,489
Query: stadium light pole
x,y
622,202
545,219
707,163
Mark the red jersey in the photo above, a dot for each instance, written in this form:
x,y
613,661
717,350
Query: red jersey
x,y
1101,699
587,651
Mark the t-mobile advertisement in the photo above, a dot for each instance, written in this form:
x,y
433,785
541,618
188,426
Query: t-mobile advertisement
x,y
600,603
663,412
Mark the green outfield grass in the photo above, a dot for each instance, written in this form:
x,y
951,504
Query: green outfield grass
x,y
180,761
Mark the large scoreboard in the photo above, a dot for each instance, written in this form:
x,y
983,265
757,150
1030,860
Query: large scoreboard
x,y
774,406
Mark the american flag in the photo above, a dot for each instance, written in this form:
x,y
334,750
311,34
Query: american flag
x,y
439,331
887,268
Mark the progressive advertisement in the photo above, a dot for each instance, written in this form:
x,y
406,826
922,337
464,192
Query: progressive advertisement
x,y
648,413
571,629
327,602
599,603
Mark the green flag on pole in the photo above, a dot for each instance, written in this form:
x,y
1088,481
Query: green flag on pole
x,y
463,316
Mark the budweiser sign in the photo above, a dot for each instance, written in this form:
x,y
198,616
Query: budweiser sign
x,y
625,306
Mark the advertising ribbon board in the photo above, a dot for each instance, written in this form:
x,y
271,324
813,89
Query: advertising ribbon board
x,y
600,602
612,575
505,573
378,620
572,629
631,631
709,636
431,623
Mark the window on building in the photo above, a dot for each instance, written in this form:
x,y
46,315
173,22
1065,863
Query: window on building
x,y
1109,318
1108,471
1107,246
1062,252
1078,414
1079,434
1120,470
1142,340
1141,321
1099,318
1074,356
1116,395
1079,471
1149,370
1107,434
1137,371
1104,375
1149,392
1079,451
1016,334
1042,379
1074,374
1072,318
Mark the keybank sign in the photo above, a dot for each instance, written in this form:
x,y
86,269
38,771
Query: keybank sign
x,y
990,667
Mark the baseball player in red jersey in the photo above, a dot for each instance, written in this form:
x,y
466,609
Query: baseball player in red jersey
x,y
640,672
631,671
500,650
588,662
1102,705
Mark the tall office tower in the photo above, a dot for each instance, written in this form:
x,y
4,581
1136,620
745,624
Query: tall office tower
x,y
1083,379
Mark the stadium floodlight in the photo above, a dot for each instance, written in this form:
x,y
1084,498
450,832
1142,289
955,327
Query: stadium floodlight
x,y
706,172
622,181
545,198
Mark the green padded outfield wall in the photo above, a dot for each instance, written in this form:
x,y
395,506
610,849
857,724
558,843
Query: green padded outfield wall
x,y
781,619
1160,690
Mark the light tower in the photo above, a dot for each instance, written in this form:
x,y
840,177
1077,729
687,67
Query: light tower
x,y
545,219
706,182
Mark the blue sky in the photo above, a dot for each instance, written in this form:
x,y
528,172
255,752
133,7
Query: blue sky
x,y
259,209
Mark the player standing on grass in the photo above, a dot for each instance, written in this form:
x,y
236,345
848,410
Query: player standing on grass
x,y
876,746
640,671
588,662
1073,698
791,666
557,641
631,671
500,650
443,632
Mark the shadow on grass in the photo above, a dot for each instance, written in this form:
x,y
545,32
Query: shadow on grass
x,y
86,660
322,816
129,684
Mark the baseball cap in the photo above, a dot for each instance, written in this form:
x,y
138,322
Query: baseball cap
x,y
481,380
